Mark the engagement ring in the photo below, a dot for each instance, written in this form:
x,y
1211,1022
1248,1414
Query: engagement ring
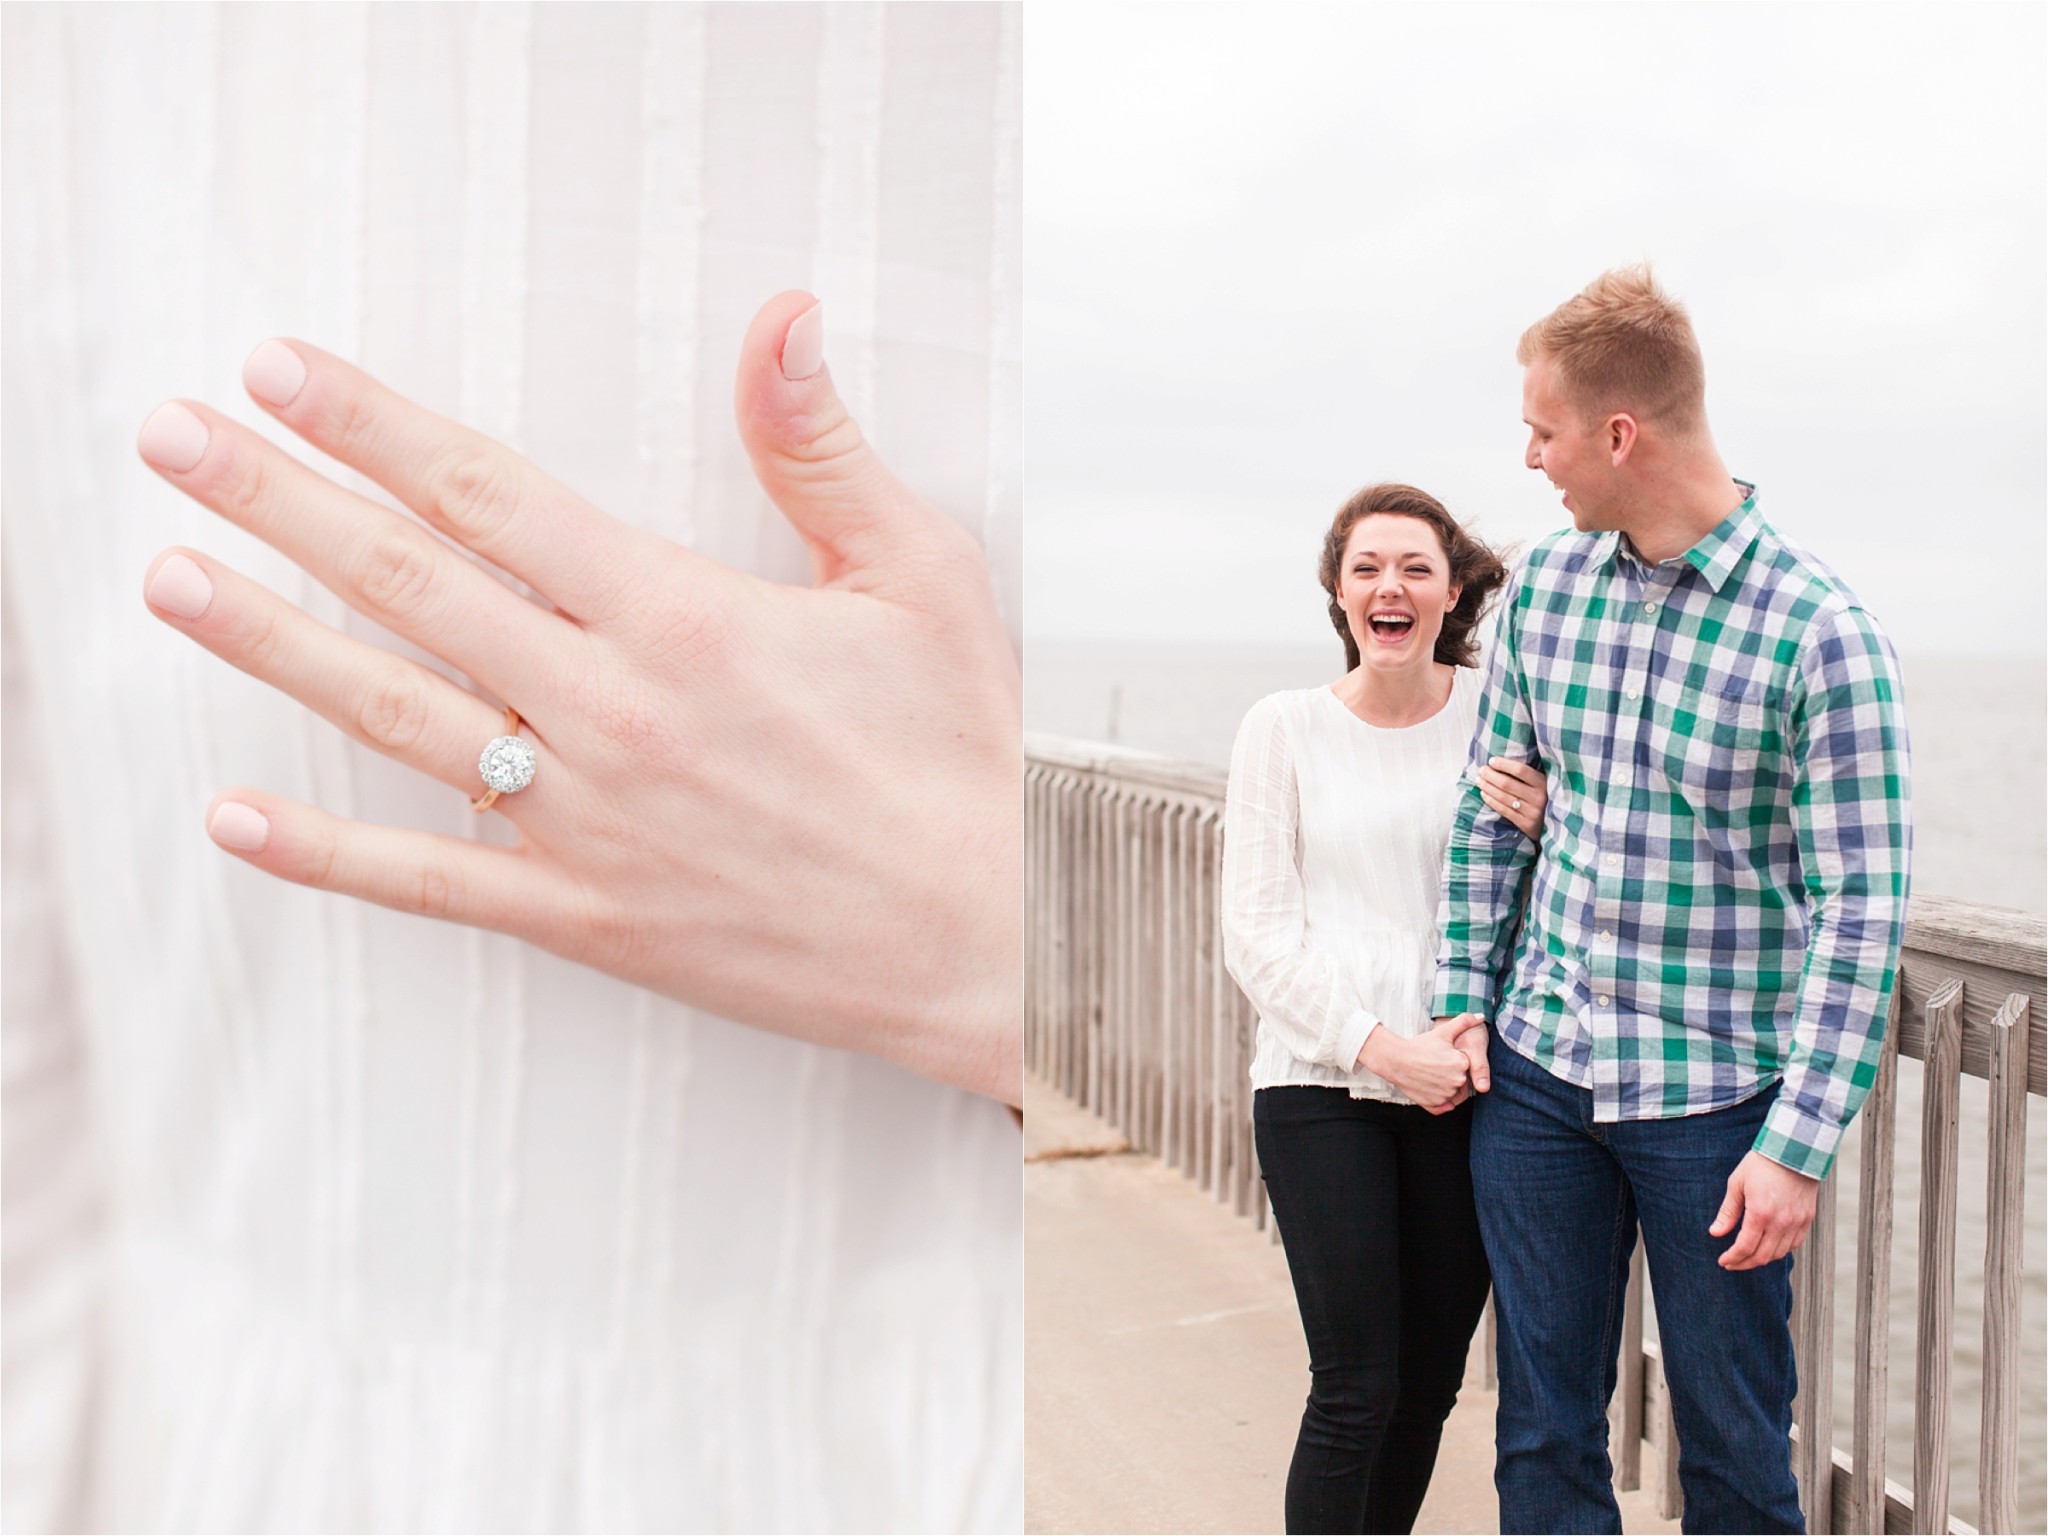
x,y
507,764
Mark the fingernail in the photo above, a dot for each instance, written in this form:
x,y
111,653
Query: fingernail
x,y
803,348
173,438
180,586
239,827
274,373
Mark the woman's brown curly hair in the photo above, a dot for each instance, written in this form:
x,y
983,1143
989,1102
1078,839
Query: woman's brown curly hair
x,y
1477,570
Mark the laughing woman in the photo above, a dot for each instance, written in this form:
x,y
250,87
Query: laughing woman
x,y
1340,806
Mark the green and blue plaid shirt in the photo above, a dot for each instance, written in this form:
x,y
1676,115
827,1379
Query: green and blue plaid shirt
x,y
1721,890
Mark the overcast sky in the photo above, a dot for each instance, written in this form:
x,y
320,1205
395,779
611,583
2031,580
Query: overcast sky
x,y
1274,253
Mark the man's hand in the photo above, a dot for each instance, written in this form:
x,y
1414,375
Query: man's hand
x,y
1472,1041
1468,1038
1775,1206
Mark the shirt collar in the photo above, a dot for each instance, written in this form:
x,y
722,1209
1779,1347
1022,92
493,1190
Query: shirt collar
x,y
1715,556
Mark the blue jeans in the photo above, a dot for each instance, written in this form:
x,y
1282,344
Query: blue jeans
x,y
1559,1201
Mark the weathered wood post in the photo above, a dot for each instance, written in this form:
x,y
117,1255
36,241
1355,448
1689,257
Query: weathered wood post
x,y
1935,1357
1813,1331
1625,1416
1865,1511
2005,1210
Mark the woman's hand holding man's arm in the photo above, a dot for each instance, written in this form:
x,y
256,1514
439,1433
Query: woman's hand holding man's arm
x,y
1517,791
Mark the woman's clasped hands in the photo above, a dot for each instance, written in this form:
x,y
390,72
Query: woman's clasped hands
x,y
795,807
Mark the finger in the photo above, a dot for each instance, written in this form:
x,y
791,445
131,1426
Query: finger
x,y
1523,821
1748,1252
1528,775
1503,800
385,566
812,459
452,878
477,491
1785,1238
398,707
1775,1246
1731,1208
1482,1076
1747,1249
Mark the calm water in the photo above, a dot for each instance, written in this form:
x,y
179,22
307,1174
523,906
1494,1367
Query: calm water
x,y
1980,759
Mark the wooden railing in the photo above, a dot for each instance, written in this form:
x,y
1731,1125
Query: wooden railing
x,y
1130,1012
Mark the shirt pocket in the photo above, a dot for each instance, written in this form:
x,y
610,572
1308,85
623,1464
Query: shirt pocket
x,y
1719,736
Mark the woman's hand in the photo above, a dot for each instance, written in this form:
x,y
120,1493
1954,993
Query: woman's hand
x,y
1430,1069
1517,791
795,807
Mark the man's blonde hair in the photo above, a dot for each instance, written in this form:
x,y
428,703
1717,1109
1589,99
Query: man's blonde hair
x,y
1623,344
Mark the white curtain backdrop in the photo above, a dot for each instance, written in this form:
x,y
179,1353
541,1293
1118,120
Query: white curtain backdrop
x,y
319,1217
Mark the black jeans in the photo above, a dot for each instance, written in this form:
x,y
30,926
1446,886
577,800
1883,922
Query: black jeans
x,y
1374,1203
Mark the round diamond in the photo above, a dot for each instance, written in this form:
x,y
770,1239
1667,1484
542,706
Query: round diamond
x,y
507,764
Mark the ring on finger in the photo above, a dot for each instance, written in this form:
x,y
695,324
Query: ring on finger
x,y
507,764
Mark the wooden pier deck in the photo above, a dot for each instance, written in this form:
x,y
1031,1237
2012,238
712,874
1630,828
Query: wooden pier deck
x,y
1164,1364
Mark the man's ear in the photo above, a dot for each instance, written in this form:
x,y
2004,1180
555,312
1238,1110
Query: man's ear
x,y
1622,433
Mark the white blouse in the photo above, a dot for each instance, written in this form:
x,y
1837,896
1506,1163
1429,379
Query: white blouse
x,y
1333,851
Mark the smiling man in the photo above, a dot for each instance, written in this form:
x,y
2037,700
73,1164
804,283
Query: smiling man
x,y
1692,1004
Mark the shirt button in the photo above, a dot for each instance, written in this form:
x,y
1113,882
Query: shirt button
x,y
1631,693
1649,607
1613,859
1606,937
1605,1001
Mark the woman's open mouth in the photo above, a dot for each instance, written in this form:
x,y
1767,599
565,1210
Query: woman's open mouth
x,y
1391,628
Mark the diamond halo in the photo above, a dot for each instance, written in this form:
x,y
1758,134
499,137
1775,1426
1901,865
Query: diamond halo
x,y
507,764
